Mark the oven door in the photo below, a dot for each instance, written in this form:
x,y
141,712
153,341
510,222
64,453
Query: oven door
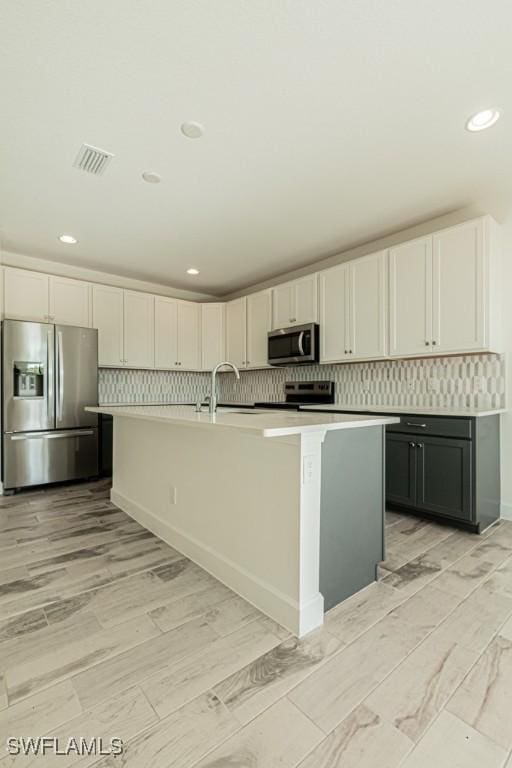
x,y
289,346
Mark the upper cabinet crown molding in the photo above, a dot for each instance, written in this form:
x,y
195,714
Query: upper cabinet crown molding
x,y
296,302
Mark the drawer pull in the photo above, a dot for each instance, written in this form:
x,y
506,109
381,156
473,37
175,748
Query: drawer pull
x,y
411,424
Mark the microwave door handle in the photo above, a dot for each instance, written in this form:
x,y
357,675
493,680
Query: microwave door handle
x,y
301,348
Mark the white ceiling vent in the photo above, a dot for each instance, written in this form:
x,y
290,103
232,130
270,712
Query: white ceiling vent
x,y
92,159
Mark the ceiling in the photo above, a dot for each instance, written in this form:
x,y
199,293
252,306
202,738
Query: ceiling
x,y
328,123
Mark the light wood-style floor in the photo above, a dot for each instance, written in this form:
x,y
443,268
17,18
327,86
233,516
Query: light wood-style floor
x,y
105,631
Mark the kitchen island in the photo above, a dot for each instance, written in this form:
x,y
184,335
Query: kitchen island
x,y
285,508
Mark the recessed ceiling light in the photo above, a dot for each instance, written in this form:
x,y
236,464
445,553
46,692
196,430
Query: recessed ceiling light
x,y
192,271
192,130
483,119
69,239
151,177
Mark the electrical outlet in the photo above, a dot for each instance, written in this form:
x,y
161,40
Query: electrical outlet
x,y
172,494
308,468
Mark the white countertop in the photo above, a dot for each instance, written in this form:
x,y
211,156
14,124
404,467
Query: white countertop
x,y
420,410
266,423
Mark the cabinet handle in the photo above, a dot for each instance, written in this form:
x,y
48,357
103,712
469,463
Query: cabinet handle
x,y
412,424
346,351
350,351
420,445
427,343
434,342
412,445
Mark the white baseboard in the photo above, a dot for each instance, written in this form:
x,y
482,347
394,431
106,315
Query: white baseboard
x,y
506,511
299,619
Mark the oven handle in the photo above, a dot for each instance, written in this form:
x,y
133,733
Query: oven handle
x,y
301,348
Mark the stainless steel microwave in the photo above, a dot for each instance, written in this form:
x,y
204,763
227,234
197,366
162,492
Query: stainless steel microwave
x,y
295,345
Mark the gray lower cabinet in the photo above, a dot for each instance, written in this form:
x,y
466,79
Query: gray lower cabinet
x,y
445,468
400,470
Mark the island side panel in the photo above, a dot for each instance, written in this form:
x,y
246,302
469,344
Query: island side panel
x,y
237,504
352,511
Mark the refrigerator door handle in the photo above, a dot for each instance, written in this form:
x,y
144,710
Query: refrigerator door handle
x,y
60,376
49,376
53,435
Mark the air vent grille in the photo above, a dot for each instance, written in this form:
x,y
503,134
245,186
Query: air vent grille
x,y
92,160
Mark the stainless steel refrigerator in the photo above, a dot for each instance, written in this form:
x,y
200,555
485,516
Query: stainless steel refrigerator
x,y
49,375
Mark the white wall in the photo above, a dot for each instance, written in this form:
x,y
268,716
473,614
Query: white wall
x,y
506,419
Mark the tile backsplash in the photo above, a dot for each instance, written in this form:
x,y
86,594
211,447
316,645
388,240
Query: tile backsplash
x,y
119,385
471,381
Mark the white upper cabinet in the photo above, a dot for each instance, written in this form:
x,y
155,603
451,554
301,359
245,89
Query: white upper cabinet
x,y
139,330
166,333
334,315
259,316
410,298
353,306
107,317
460,302
69,301
213,335
445,292
236,326
283,305
295,303
189,338
368,307
306,300
26,295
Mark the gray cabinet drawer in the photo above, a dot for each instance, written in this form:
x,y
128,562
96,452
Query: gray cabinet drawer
x,y
441,426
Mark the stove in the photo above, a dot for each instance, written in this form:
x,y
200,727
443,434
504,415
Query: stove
x,y
299,393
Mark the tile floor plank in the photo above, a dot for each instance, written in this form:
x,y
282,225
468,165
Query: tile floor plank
x,y
278,738
451,743
362,740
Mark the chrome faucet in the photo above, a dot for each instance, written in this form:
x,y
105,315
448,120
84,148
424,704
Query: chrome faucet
x,y
213,393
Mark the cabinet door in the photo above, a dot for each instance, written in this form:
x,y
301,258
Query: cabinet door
x,y
69,302
259,315
368,307
166,333
410,296
107,317
189,339
334,314
444,476
458,289
400,469
25,295
213,335
283,305
306,300
236,326
139,329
